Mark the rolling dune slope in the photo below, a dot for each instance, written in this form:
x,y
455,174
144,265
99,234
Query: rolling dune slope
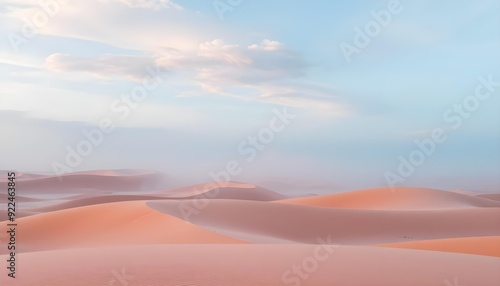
x,y
107,224
254,265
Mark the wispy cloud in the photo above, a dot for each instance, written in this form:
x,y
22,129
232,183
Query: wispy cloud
x,y
107,66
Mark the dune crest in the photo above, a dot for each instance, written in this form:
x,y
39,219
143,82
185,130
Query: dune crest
x,y
400,198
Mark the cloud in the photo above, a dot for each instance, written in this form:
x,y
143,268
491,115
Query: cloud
x,y
148,4
143,25
218,50
267,72
107,66
307,97
163,34
216,66
213,65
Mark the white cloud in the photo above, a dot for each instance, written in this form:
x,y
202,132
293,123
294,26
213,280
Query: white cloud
x,y
267,45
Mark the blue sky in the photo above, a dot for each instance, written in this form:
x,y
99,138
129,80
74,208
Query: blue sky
x,y
224,78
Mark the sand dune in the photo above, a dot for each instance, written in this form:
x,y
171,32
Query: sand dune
x,y
91,226
268,222
108,224
254,265
495,197
4,198
486,245
401,198
95,200
225,190
115,172
238,191
19,214
94,182
20,175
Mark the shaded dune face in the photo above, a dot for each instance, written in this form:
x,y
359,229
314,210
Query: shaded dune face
x,y
90,226
495,197
304,224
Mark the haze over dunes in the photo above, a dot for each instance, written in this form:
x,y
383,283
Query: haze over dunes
x,y
230,233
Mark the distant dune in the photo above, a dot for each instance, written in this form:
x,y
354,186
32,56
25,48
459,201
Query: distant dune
x,y
225,190
93,182
4,198
20,175
230,190
95,200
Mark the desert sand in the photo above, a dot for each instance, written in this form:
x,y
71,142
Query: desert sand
x,y
126,227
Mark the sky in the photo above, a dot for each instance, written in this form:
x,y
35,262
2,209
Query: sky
x,y
310,96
